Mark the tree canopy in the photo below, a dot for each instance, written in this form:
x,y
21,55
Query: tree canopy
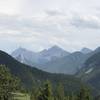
x,y
8,83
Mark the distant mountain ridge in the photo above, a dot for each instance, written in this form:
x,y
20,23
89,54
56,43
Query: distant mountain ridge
x,y
54,59
53,53
25,56
90,72
31,58
86,50
92,61
68,65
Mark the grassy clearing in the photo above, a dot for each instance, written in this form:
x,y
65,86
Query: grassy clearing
x,y
20,96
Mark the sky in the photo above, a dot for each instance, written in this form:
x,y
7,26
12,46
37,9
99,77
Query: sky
x,y
40,24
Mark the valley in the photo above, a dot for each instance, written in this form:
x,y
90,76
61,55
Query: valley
x,y
80,69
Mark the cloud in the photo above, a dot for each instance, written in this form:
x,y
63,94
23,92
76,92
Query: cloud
x,y
89,22
54,13
36,24
48,25
10,7
36,33
14,23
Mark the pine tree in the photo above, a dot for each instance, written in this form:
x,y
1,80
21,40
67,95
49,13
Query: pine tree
x,y
84,94
34,93
60,92
45,93
72,97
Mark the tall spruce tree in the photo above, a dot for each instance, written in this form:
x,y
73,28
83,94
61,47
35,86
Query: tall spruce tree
x,y
45,93
72,97
60,92
84,94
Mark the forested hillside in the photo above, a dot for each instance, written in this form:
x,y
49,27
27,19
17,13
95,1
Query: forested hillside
x,y
30,75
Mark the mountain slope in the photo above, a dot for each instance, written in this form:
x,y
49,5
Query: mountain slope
x,y
91,71
86,50
69,64
25,56
31,58
53,53
30,75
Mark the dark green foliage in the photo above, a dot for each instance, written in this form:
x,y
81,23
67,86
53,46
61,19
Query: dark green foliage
x,y
34,93
84,94
72,97
45,92
8,83
60,92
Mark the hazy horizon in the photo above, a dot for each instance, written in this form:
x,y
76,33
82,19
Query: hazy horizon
x,y
38,25
37,51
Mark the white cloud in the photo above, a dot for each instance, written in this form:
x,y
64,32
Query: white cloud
x,y
92,22
10,6
37,24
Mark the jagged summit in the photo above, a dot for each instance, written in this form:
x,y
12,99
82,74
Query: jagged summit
x,y
86,50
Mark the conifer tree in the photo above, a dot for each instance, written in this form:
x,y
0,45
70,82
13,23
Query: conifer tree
x,y
84,94
60,92
72,97
45,93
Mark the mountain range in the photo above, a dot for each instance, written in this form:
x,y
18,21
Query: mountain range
x,y
68,65
54,59
90,71
43,56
